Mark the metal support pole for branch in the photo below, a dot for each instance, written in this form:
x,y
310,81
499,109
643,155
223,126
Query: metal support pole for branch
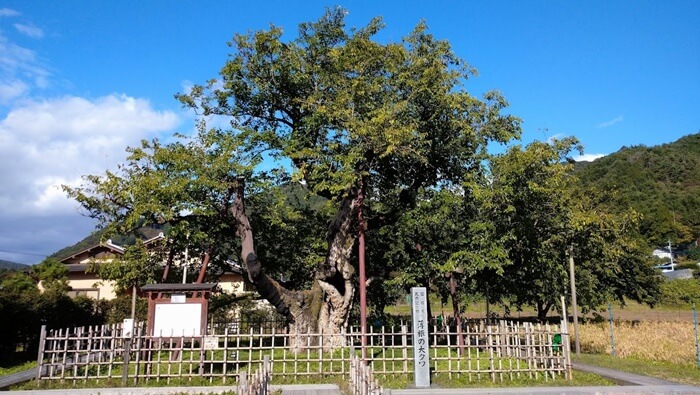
x,y
457,315
363,275
574,304
133,301
695,323
612,334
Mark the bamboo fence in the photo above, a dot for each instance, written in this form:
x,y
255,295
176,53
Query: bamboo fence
x,y
362,381
496,352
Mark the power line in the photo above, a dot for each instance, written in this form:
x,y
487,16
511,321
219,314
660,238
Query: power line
x,y
23,253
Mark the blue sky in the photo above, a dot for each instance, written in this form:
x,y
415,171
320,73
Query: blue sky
x,y
81,80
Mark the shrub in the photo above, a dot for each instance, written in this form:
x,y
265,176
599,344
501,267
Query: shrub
x,y
678,293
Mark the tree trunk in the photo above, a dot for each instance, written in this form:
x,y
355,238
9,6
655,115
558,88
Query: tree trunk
x,y
543,309
324,308
168,265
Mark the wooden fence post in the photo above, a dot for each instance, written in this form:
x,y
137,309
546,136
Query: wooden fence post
x,y
40,356
566,340
127,352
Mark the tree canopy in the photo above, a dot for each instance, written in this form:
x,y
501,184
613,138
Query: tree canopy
x,y
337,112
302,141
543,215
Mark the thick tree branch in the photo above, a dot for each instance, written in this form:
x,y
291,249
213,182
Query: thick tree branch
x,y
268,288
340,238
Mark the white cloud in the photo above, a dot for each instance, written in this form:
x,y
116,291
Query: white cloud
x,y
20,71
11,90
8,12
610,122
44,144
50,142
29,30
587,157
557,136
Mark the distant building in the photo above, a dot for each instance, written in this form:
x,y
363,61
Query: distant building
x,y
90,284
662,254
678,274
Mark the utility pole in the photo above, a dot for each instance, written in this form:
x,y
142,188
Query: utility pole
x,y
574,305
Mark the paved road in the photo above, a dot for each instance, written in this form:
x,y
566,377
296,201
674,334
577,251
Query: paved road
x,y
323,389
628,384
16,378
627,389
317,389
621,378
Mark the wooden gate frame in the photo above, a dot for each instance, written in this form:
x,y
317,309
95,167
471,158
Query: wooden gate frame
x,y
163,293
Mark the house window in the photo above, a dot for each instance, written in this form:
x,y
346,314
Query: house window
x,y
89,292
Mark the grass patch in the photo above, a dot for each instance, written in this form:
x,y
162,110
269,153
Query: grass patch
x,y
680,373
16,362
21,367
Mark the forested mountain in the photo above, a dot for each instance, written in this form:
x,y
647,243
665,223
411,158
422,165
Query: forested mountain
x,y
662,183
9,265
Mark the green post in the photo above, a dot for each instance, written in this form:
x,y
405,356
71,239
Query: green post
x,y
612,334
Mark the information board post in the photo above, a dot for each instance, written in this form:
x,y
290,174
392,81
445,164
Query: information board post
x,y
421,352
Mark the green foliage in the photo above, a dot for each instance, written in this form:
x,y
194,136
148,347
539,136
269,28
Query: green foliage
x,y
541,215
693,253
136,267
337,111
18,283
20,299
53,275
680,293
119,308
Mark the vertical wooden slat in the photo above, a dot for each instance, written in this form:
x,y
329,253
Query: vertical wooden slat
x,y
40,354
404,348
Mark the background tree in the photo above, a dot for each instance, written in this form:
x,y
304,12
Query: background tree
x,y
52,275
348,113
29,308
540,214
136,267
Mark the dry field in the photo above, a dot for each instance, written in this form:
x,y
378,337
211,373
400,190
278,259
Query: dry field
x,y
658,334
656,341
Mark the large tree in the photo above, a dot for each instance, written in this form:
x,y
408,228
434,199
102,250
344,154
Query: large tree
x,y
360,123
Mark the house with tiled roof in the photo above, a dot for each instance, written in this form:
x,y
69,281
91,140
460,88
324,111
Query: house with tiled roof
x,y
83,282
